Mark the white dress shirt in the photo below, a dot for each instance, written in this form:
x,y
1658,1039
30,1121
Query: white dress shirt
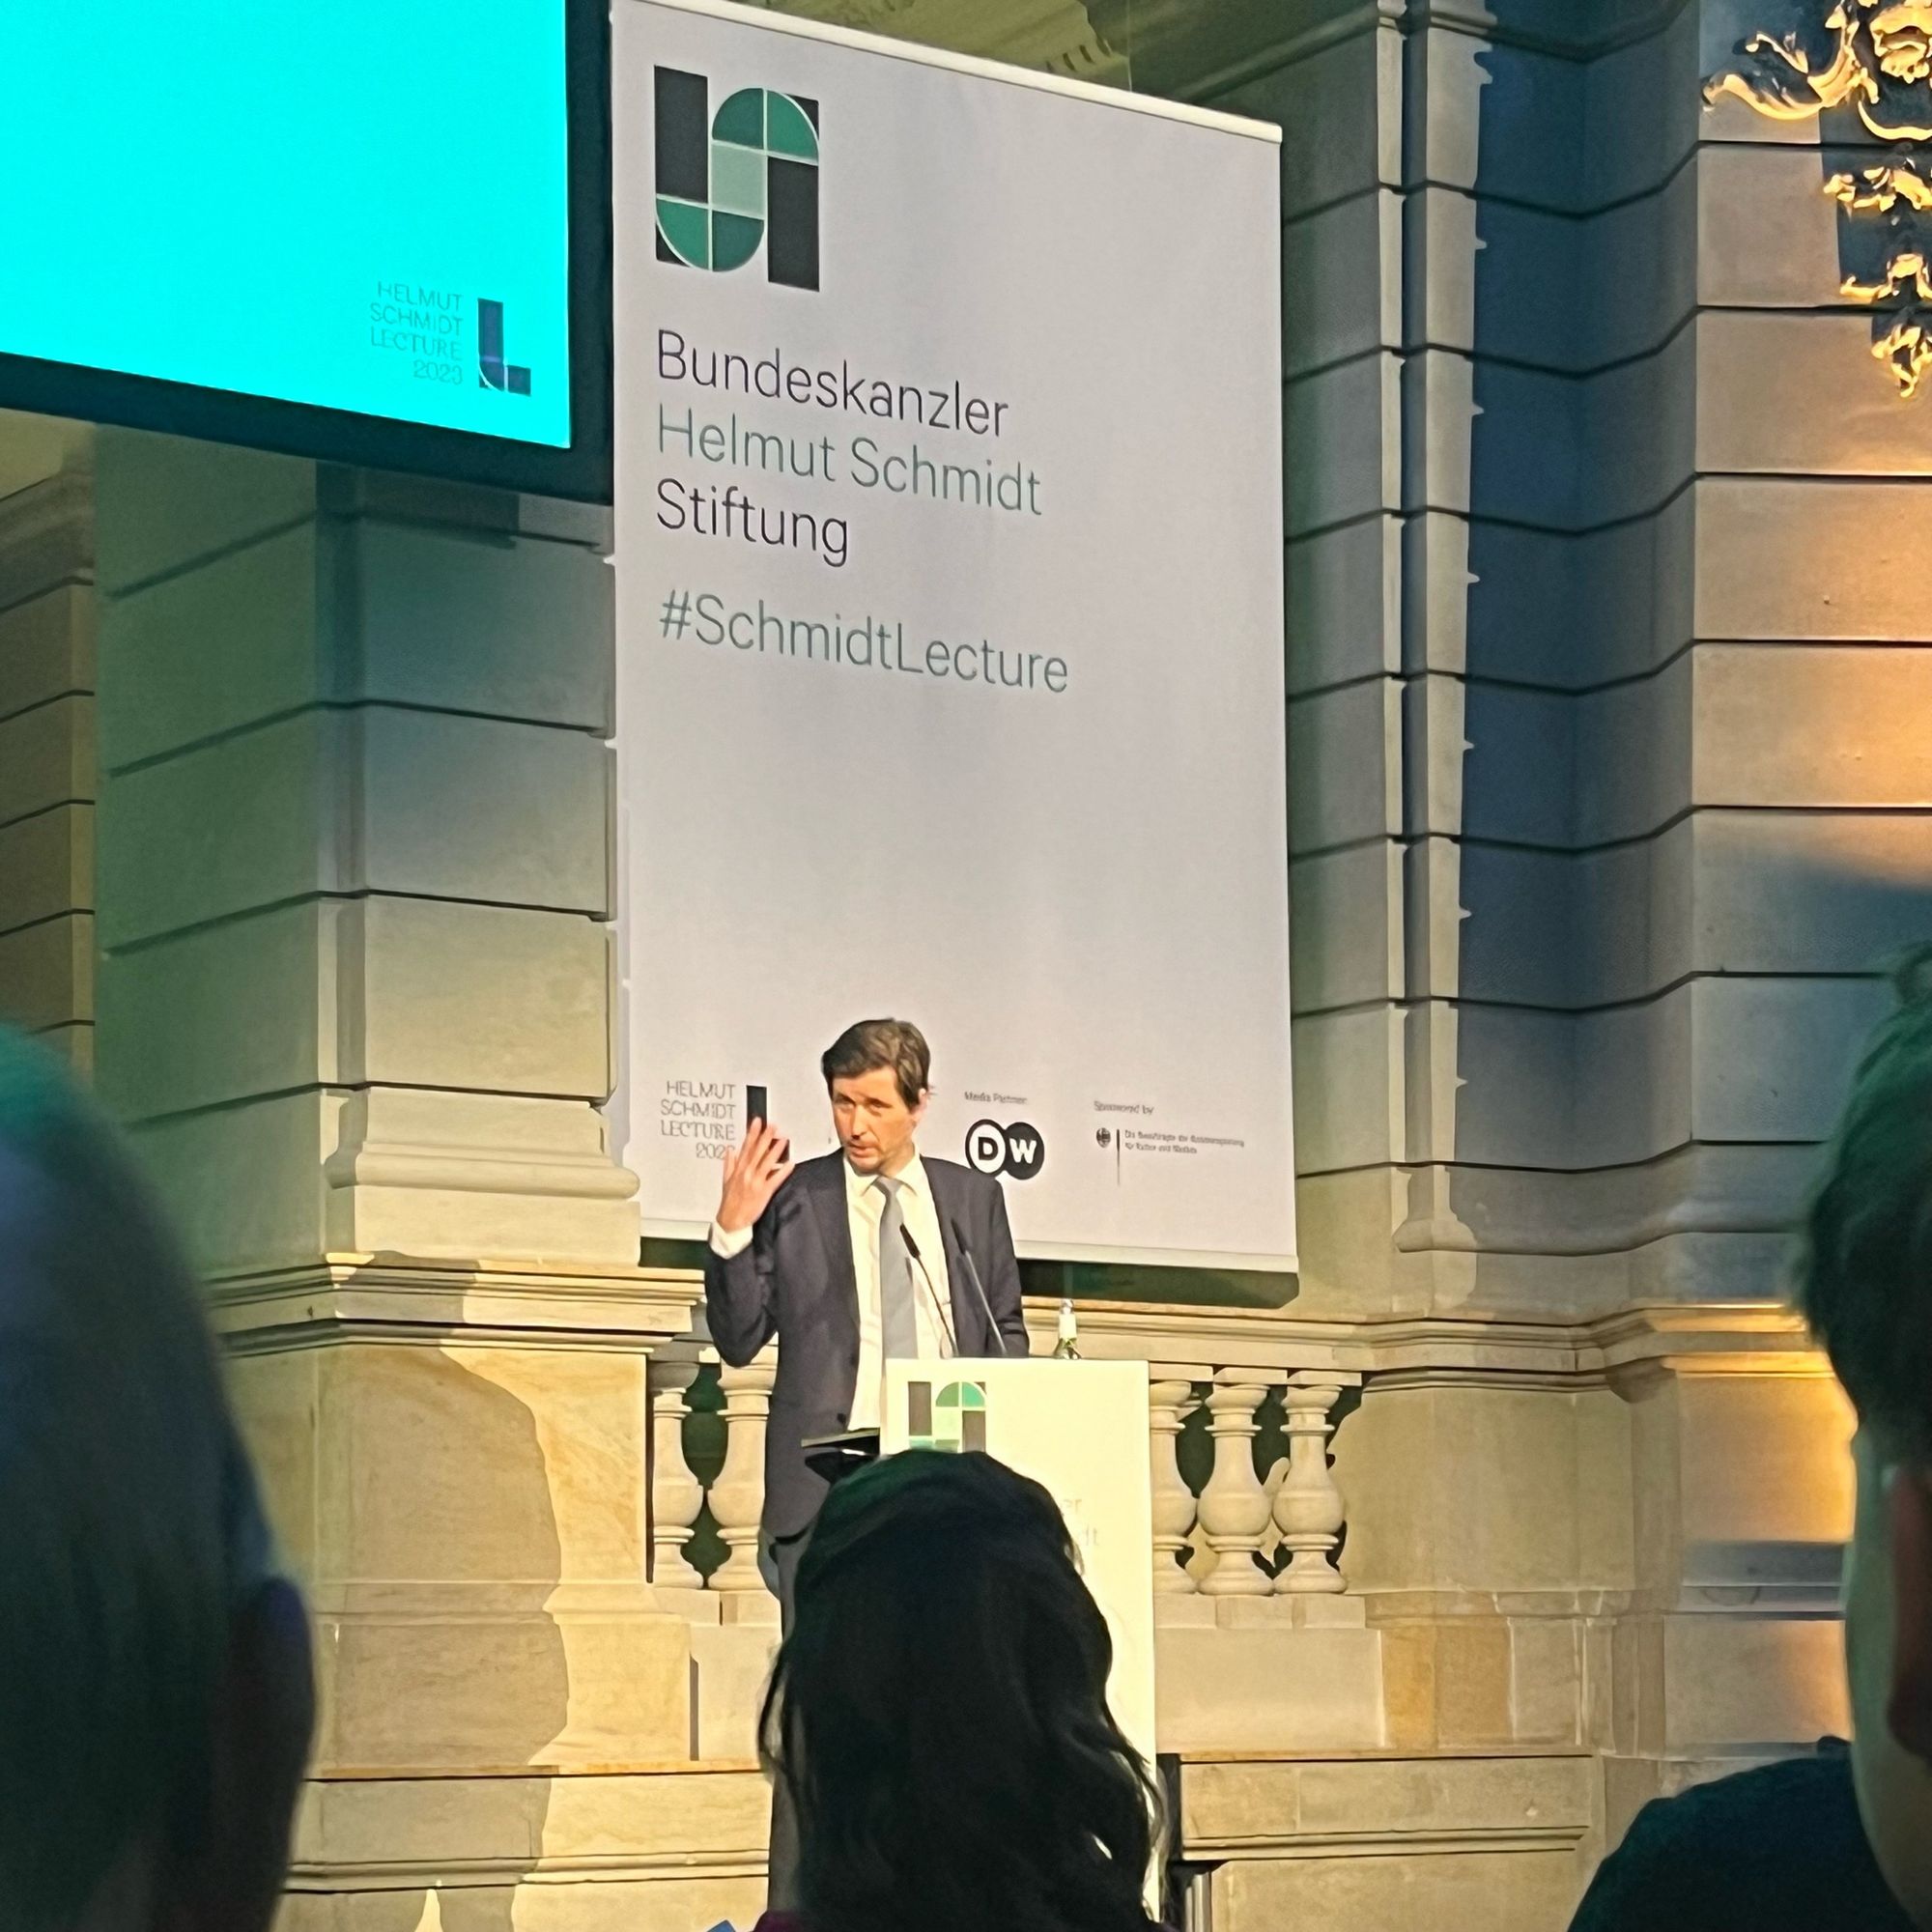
x,y
932,1309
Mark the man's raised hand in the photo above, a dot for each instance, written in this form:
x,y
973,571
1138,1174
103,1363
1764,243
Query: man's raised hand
x,y
753,1172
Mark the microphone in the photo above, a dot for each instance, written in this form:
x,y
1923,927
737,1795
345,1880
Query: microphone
x,y
979,1291
932,1293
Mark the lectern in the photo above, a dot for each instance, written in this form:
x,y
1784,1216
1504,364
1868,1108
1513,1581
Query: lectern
x,y
1080,1430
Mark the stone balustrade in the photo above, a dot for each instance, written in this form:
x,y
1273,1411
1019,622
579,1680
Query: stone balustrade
x,y
1227,1522
1447,1631
1256,1527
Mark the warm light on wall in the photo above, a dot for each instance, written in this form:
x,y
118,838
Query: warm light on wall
x,y
1874,56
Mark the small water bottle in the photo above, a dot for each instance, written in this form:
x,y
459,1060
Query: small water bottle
x,y
1069,1332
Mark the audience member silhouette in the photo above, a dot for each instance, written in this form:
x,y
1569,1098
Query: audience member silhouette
x,y
1804,1844
155,1697
1774,1849
939,1713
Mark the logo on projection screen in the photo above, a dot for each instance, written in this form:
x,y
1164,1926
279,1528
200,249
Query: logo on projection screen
x,y
494,369
1018,1151
728,182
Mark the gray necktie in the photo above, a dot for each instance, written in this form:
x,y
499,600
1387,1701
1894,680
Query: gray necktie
x,y
898,1330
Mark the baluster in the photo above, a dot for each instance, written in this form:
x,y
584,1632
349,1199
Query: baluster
x,y
1174,1505
1308,1506
738,1495
676,1495
1234,1506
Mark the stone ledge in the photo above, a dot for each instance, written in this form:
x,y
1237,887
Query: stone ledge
x,y
387,1832
1759,1337
1237,1806
399,1299
456,1599
1185,1342
1311,1610
1597,30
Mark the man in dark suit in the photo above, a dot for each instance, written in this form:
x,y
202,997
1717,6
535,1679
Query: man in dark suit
x,y
852,1260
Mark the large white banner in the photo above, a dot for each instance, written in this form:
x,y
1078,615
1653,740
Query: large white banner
x,y
950,623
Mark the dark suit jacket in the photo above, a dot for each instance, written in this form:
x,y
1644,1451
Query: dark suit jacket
x,y
796,1281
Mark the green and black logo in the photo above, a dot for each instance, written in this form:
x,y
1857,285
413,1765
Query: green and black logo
x,y
728,182
953,1421
493,368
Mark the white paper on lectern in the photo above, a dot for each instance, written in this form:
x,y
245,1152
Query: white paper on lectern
x,y
1080,1429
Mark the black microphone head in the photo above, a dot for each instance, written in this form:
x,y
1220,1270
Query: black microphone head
x,y
911,1246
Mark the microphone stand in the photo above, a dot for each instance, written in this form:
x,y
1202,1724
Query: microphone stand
x,y
932,1293
979,1291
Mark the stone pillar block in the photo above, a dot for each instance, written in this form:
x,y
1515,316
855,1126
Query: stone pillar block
x,y
375,713
470,1519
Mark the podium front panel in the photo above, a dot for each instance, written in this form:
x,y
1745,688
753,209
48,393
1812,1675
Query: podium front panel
x,y
1080,1429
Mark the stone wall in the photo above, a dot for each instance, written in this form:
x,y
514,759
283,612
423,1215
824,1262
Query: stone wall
x,y
357,1010
1602,756
1605,760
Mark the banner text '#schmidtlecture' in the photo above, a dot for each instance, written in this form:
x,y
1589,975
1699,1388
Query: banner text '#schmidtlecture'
x,y
868,644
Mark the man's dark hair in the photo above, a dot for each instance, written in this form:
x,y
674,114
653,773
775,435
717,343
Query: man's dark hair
x,y
871,1045
1865,1263
939,1714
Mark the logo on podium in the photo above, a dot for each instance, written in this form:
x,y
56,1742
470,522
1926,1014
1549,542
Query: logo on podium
x,y
953,1421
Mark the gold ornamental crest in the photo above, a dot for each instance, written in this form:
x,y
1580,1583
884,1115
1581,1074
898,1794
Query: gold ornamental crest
x,y
1873,58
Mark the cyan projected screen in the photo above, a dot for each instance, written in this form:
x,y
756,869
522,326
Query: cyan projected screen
x,y
361,206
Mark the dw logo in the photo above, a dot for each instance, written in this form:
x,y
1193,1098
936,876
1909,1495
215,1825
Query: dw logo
x,y
728,182
1018,1151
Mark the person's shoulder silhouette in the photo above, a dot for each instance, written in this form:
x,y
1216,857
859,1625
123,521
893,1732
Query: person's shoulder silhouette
x,y
1774,1847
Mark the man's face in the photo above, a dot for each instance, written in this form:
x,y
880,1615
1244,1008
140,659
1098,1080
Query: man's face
x,y
874,1125
1885,1594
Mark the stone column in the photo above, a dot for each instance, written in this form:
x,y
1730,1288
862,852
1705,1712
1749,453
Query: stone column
x,y
1175,1505
1235,1511
356,1007
677,1497
46,736
1336,91
1308,1508
738,1495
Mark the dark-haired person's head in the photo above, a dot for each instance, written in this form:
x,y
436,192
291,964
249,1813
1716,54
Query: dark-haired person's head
x,y
939,1714
1865,1281
156,1699
878,1074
